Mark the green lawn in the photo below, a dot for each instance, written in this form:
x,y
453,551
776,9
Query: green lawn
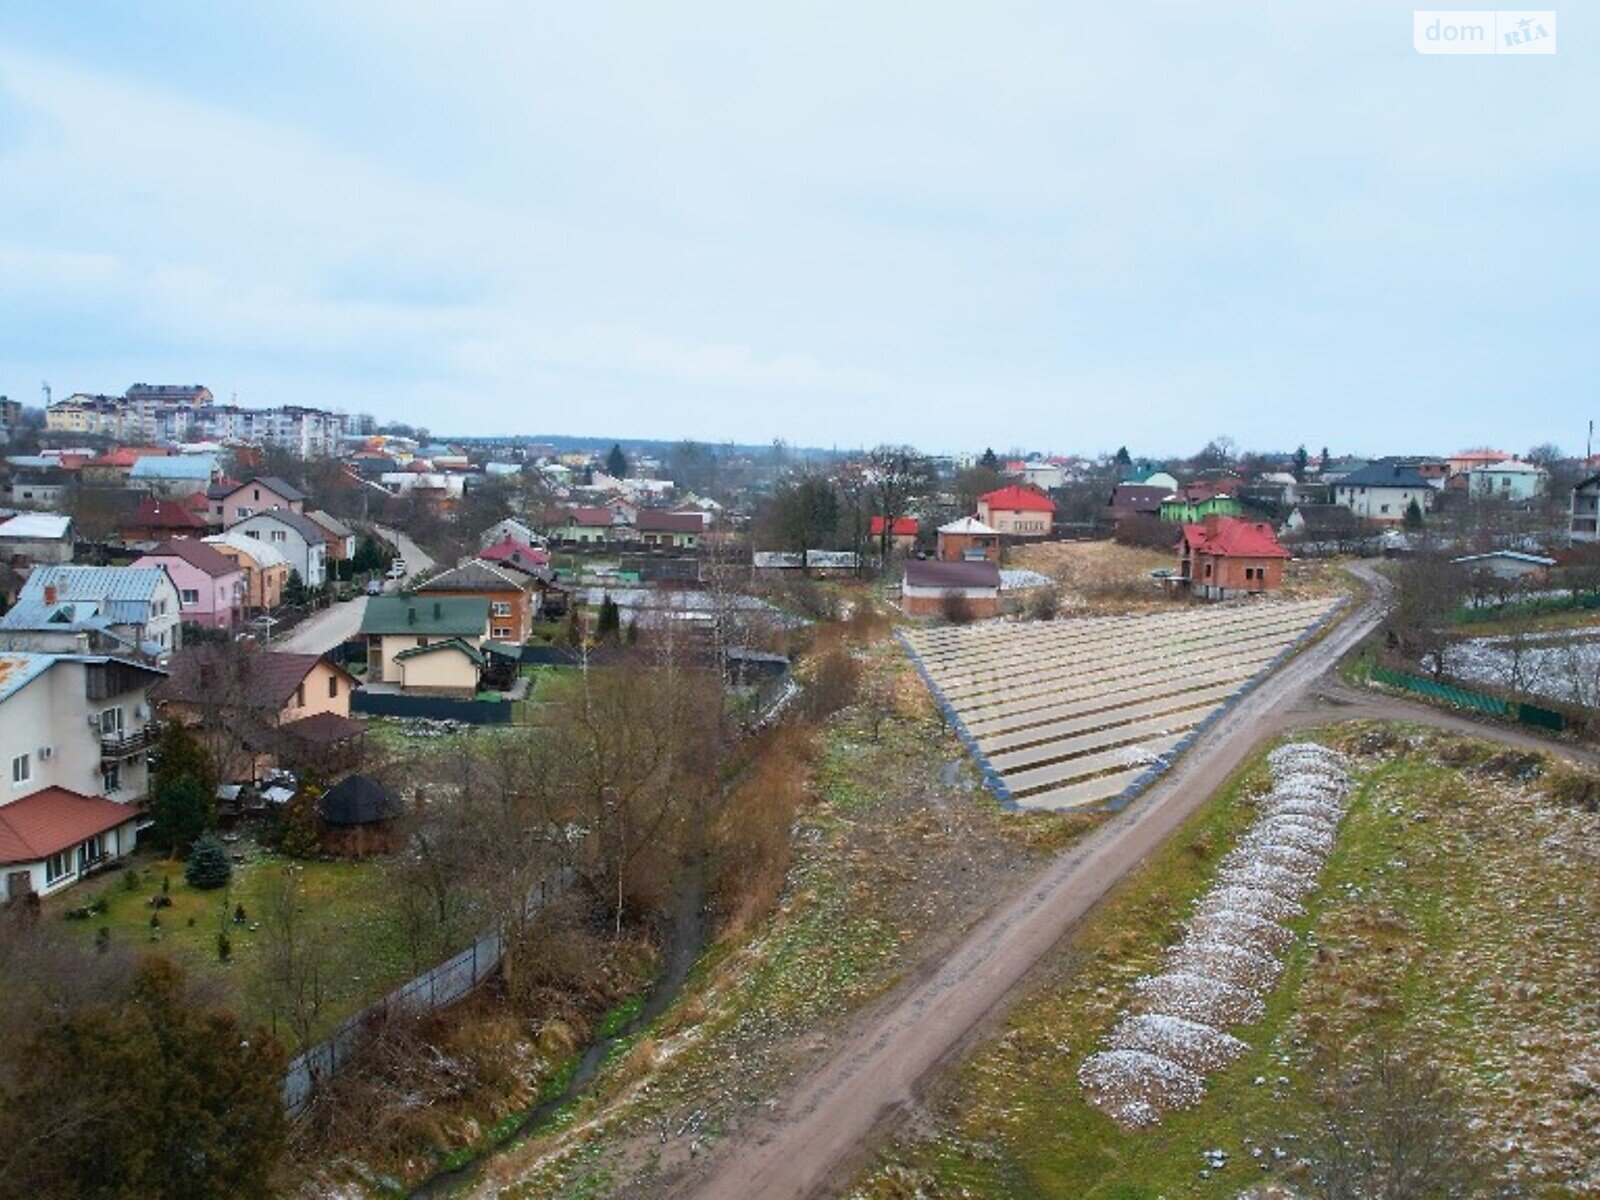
x,y
345,899
1453,908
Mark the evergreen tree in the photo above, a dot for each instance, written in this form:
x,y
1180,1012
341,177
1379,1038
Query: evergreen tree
x,y
183,789
1326,458
610,623
294,590
209,866
1413,518
617,462
1123,461
990,460
1300,460
296,832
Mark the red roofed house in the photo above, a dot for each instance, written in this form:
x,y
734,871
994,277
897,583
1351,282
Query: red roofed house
x,y
903,536
1017,512
1229,556
211,586
530,560
55,837
157,519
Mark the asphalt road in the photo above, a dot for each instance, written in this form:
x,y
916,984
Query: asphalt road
x,y
338,623
803,1145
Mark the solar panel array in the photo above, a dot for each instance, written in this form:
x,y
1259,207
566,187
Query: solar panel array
x,y
1067,714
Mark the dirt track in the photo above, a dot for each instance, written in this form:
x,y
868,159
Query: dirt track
x,y
817,1132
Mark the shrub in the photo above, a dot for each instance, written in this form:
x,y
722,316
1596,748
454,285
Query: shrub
x,y
208,866
955,608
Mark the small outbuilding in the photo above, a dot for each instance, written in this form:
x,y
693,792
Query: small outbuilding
x,y
931,587
358,816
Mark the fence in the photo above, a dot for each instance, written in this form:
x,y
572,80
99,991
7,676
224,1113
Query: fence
x,y
1536,715
431,708
442,986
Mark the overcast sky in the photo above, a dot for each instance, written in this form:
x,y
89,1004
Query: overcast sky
x,y
952,224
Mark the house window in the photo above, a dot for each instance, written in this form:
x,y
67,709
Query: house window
x,y
422,641
110,722
333,686
245,512
300,696
500,631
110,778
21,770
189,596
57,866
279,535
501,608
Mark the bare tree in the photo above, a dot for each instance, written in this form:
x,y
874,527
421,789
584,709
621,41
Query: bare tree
x,y
1428,589
294,979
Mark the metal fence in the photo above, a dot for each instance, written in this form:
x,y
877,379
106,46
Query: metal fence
x,y
435,989
432,708
1537,715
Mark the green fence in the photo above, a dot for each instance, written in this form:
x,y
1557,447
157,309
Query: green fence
x,y
1529,714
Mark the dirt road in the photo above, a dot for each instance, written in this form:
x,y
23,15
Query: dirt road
x,y
803,1145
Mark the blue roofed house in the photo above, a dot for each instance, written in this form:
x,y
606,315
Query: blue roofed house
x,y
173,474
133,611
294,535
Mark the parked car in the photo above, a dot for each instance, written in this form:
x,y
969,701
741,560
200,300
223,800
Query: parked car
x,y
397,569
374,587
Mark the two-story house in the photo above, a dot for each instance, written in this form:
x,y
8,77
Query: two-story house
x,y
211,586
294,535
513,596
1382,491
1585,527
1017,512
339,537
258,495
266,569
67,609
75,733
429,645
669,530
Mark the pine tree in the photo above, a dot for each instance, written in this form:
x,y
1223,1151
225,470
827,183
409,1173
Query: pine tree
x,y
990,460
1300,460
610,623
617,462
183,789
209,866
1413,518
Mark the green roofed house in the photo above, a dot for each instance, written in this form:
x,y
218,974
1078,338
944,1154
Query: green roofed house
x,y
430,645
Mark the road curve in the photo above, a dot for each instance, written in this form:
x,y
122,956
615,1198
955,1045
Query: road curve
x,y
794,1153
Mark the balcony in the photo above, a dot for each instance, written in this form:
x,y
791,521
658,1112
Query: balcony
x,y
128,743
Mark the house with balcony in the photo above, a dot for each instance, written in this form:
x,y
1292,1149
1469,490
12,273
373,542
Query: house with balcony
x,y
211,586
1585,520
123,610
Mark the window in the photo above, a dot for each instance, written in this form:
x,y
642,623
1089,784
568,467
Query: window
x,y
189,596
300,696
110,778
501,608
500,631
90,851
57,865
110,721
333,686
21,770
255,494
279,535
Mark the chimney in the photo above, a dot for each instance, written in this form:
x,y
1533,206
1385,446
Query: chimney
x,y
49,593
1213,523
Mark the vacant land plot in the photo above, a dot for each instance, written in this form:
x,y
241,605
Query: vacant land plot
x,y
1067,714
1455,918
1562,667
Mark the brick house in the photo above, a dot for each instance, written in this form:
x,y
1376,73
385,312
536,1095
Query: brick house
x,y
1017,512
928,586
1225,557
902,535
968,540
512,595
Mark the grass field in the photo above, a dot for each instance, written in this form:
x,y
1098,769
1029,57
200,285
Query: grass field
x,y
1458,910
344,899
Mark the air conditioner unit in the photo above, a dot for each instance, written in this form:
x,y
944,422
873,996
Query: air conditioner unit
x,y
141,711
94,722
46,753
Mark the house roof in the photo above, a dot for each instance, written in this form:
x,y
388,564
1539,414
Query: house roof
x,y
657,520
1535,560
1325,517
36,527
359,800
310,532
454,645
264,554
53,820
969,525
439,616
513,553
323,729
903,526
282,487
93,585
197,554
1509,466
19,668
592,516
473,575
1018,498
330,523
1387,474
1234,537
156,513
196,467
235,676
932,574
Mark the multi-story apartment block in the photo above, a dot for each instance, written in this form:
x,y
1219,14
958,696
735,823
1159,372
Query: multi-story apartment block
x,y
154,413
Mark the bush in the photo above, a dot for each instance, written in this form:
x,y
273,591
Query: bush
x,y
955,608
208,866
833,684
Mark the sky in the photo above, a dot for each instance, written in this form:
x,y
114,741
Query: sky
x,y
1062,228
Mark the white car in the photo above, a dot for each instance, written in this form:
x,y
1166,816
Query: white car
x,y
397,569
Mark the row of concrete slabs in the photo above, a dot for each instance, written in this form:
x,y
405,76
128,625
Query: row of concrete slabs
x,y
1080,712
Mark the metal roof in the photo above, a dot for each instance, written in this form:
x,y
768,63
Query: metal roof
x,y
36,525
99,584
198,467
264,553
19,668
424,615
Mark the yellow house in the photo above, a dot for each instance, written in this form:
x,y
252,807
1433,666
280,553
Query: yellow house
x,y
426,644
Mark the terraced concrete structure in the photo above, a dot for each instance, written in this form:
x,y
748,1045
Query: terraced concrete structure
x,y
1074,713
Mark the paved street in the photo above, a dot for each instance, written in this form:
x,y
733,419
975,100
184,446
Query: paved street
x,y
322,632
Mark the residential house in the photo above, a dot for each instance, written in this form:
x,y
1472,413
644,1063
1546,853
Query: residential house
x,y
902,535
38,537
584,525
968,540
1223,557
1508,479
1467,460
211,586
1137,500
669,530
157,519
508,552
339,537
929,586
36,481
266,569
51,838
66,609
173,474
512,595
257,708
512,529
1017,512
1382,491
259,495
426,645
1585,523
1193,504
294,535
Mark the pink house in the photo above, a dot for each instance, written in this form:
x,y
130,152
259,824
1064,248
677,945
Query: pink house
x,y
210,585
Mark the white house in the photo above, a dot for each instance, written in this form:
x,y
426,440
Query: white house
x,y
296,536
66,609
1586,511
1383,491
1507,480
75,736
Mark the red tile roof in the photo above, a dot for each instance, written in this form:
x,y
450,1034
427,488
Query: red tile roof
x,y
155,513
1233,537
48,822
510,552
1019,499
903,527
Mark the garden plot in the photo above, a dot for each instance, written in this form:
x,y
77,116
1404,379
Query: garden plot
x,y
1065,714
1564,667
